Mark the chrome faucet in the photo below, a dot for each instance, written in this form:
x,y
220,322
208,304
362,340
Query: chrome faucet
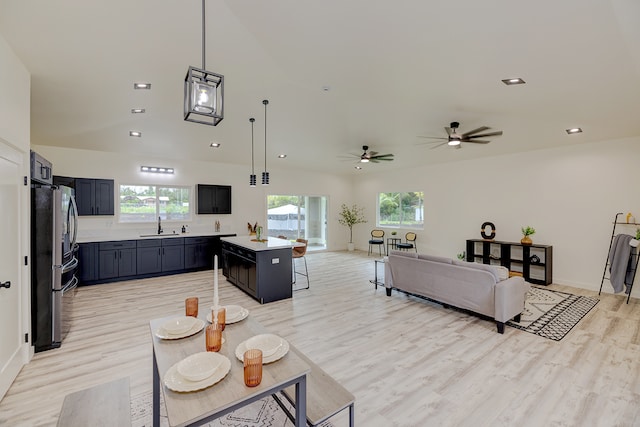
x,y
159,226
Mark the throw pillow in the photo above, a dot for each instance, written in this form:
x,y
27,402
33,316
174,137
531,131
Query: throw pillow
x,y
503,272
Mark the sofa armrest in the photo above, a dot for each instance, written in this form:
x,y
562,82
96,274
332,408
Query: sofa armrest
x,y
509,298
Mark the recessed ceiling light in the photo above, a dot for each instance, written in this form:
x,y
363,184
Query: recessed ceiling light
x,y
142,85
574,130
282,156
137,110
135,133
326,88
515,81
214,145
358,167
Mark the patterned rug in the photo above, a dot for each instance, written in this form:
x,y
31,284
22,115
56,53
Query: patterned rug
x,y
262,413
552,314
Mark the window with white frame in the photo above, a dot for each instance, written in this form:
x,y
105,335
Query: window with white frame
x,y
400,209
145,203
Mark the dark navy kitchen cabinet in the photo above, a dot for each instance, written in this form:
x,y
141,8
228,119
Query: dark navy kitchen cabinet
x,y
88,262
172,254
94,196
149,256
213,199
198,252
116,259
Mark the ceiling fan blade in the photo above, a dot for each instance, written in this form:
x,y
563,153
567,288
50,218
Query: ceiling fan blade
x,y
432,137
449,130
476,141
498,133
439,145
480,129
383,159
372,153
382,155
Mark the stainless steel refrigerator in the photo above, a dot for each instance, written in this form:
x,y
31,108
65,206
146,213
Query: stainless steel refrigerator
x,y
54,262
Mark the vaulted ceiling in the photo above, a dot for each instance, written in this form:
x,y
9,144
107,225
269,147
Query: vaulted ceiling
x,y
338,75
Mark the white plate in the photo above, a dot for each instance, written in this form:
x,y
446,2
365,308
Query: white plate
x,y
199,366
176,382
273,347
179,325
241,314
197,327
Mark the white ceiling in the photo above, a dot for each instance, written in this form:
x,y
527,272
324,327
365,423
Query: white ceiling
x,y
395,70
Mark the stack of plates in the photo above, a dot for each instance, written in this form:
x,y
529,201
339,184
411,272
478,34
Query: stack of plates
x,y
198,371
235,313
273,347
179,327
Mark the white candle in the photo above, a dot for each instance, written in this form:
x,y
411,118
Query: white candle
x,y
215,289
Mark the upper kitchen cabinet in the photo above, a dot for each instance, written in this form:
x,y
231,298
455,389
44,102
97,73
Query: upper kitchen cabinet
x,y
214,199
94,196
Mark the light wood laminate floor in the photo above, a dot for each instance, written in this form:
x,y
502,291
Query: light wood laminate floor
x,y
409,362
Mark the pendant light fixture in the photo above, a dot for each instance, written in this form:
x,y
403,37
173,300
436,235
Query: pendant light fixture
x,y
203,91
265,174
252,177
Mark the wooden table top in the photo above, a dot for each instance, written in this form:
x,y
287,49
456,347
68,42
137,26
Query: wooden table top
x,y
186,408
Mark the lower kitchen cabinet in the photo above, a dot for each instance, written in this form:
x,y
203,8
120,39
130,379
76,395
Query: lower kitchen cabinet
x,y
198,252
104,262
116,259
88,262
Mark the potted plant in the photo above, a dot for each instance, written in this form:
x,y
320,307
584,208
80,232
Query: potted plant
x,y
526,232
350,216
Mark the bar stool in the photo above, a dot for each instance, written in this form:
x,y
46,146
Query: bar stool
x,y
300,252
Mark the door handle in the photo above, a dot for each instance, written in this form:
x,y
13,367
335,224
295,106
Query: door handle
x,y
6,284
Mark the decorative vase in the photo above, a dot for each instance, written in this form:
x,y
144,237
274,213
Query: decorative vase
x,y
526,240
351,247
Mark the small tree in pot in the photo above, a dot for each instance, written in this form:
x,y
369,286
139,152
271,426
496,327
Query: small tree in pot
x,y
351,216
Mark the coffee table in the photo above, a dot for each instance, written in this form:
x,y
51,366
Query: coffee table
x,y
200,407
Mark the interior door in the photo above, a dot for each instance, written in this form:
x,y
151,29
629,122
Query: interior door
x,y
11,359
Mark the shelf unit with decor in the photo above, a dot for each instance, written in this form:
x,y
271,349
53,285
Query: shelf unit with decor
x,y
533,262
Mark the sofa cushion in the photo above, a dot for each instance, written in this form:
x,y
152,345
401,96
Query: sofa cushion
x,y
435,258
486,267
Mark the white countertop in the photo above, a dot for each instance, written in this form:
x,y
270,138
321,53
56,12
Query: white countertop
x,y
247,243
134,235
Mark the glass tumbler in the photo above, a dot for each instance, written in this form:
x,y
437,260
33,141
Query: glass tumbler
x,y
213,338
252,367
191,307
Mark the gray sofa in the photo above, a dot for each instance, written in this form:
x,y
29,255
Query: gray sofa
x,y
479,288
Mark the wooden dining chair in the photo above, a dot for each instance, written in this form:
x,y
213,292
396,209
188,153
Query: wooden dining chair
x,y
377,238
410,242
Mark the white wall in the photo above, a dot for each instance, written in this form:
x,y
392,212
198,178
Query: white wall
x,y
570,195
248,204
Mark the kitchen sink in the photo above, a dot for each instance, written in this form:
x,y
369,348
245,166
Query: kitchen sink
x,y
160,235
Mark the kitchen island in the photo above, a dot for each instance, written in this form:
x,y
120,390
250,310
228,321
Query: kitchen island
x,y
261,269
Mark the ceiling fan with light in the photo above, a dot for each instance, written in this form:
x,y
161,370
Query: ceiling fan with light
x,y
372,156
454,139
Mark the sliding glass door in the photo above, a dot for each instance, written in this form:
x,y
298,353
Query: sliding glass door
x,y
294,217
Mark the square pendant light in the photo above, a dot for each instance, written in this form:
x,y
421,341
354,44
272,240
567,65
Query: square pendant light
x,y
203,92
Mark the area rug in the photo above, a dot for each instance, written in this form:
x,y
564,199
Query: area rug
x,y
552,314
262,413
